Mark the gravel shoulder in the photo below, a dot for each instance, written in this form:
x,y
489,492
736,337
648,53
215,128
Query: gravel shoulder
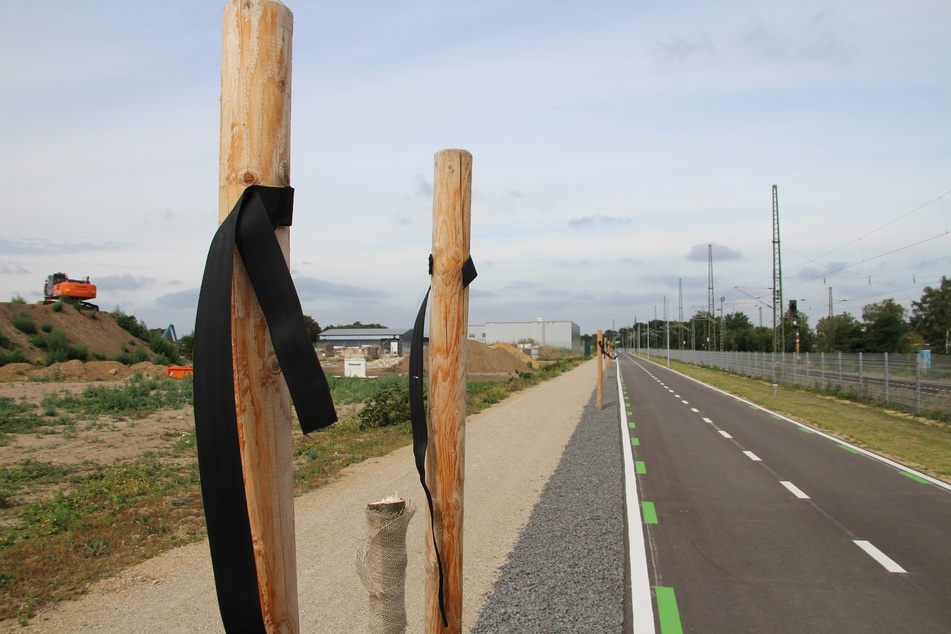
x,y
512,450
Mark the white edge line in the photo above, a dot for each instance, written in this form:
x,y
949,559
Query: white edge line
x,y
642,605
935,481
794,489
879,556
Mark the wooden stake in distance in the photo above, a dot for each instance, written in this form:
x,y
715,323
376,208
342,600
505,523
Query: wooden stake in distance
x,y
448,336
255,150
600,371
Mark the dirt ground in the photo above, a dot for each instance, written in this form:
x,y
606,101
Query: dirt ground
x,y
511,451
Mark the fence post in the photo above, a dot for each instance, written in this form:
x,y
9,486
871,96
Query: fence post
x,y
600,372
886,376
917,385
840,371
255,150
861,376
448,336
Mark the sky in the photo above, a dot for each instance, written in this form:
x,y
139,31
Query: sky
x,y
613,142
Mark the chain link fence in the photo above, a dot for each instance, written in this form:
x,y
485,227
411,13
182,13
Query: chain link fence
x,y
912,382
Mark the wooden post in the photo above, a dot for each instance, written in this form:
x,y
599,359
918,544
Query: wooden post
x,y
255,150
448,336
600,371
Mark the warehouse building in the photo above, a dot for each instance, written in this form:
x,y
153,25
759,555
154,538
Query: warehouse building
x,y
392,341
560,334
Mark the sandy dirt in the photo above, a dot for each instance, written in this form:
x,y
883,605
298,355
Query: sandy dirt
x,y
511,451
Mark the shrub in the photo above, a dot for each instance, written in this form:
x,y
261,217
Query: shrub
x,y
130,324
57,348
163,348
46,326
17,299
390,406
23,321
57,307
12,356
78,351
38,341
5,342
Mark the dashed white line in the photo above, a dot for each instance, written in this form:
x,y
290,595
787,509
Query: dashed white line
x,y
707,420
694,409
752,456
879,556
794,490
685,402
724,434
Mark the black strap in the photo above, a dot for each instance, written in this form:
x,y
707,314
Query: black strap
x,y
417,409
249,228
604,351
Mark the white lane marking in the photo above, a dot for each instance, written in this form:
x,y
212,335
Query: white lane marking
x,y
724,434
752,456
879,556
794,489
935,481
685,402
694,409
642,604
707,420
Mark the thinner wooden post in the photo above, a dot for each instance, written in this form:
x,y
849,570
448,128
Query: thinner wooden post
x,y
600,371
448,336
255,150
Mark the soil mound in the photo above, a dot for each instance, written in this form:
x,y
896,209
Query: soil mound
x,y
97,331
513,350
75,371
483,359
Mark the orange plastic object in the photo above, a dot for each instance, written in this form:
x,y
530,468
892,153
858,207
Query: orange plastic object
x,y
179,371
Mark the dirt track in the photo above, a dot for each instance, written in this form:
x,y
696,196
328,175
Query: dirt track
x,y
511,451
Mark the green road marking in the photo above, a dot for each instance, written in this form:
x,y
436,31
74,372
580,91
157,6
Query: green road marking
x,y
776,417
647,510
630,425
639,467
913,477
805,429
847,448
636,441
630,413
667,611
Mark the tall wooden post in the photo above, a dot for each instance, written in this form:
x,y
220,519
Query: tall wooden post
x,y
255,150
448,336
600,371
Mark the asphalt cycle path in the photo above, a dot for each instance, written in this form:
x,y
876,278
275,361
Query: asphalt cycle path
x,y
755,523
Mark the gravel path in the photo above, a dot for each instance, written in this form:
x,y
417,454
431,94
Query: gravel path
x,y
571,546
566,572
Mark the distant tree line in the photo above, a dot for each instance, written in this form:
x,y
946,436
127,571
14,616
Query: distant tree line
x,y
885,326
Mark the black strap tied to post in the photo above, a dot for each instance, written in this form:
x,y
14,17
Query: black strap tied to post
x,y
249,228
604,351
417,409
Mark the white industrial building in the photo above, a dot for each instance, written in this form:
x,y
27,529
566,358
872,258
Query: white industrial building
x,y
560,334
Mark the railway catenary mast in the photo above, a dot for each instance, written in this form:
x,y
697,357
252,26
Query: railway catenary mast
x,y
779,339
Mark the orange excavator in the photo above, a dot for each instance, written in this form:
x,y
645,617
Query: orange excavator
x,y
58,286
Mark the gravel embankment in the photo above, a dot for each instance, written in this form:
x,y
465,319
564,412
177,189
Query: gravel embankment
x,y
566,572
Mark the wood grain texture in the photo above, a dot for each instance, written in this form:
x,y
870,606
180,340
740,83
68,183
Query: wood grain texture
x,y
448,334
255,150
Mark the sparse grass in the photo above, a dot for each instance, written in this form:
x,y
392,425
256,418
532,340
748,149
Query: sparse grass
x,y
96,520
917,442
24,322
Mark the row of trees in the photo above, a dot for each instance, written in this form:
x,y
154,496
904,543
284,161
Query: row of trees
x,y
884,327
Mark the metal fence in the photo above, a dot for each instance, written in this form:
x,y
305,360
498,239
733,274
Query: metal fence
x,y
907,381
